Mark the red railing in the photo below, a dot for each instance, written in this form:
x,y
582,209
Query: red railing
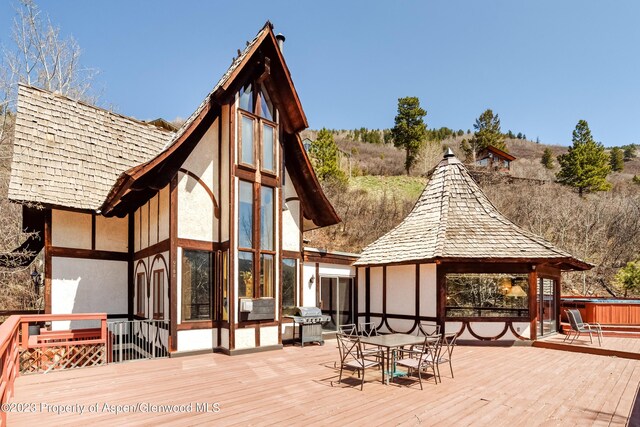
x,y
18,349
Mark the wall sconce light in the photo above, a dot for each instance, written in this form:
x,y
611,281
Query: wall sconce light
x,y
312,279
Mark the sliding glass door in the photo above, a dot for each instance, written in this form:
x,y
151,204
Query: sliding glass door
x,y
336,300
547,306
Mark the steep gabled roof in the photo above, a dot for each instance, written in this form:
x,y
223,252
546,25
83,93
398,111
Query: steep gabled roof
x,y
454,220
68,153
498,152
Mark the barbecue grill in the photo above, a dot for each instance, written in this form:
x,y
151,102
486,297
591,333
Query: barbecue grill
x,y
309,321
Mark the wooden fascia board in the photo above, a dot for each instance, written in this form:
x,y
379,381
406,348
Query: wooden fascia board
x,y
128,178
564,264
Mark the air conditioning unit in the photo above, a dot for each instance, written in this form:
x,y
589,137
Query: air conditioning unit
x,y
246,305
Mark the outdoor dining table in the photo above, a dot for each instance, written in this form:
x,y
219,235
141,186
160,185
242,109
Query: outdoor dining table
x,y
392,341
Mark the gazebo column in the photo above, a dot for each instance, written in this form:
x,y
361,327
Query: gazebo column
x,y
533,303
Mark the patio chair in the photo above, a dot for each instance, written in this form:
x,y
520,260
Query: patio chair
x,y
352,357
367,329
578,327
428,328
421,358
446,352
348,329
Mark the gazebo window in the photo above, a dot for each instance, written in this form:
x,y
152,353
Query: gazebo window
x,y
487,295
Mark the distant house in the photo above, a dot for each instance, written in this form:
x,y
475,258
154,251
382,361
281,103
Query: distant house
x,y
200,227
494,159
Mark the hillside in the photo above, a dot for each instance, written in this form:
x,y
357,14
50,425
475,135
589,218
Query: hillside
x,y
601,228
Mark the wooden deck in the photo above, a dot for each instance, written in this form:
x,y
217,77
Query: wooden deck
x,y
493,386
628,348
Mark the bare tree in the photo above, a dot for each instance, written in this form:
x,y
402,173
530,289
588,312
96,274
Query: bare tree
x,y
40,57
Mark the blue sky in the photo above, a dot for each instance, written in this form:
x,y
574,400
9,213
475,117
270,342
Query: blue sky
x,y
541,65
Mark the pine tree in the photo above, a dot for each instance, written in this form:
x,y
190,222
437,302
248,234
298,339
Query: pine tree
x,y
410,130
616,159
586,165
487,133
628,277
629,152
547,158
324,152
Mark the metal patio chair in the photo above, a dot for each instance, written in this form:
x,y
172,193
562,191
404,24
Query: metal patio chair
x,y
348,329
352,357
367,329
420,358
578,327
428,328
448,344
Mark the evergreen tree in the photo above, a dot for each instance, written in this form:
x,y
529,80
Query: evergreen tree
x,y
519,135
487,133
410,130
616,159
586,165
387,137
547,158
324,152
628,277
636,179
629,152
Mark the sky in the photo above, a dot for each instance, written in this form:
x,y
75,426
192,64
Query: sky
x,y
541,65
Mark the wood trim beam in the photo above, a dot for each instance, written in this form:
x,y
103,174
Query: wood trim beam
x,y
88,254
130,266
533,304
47,262
173,263
159,247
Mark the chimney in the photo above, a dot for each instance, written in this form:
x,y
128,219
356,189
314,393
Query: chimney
x,y
280,38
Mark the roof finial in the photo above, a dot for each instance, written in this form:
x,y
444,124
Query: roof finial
x,y
449,153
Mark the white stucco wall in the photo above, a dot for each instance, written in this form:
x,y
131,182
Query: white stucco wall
x,y
309,290
245,338
401,289
375,289
290,228
87,286
489,330
268,336
70,229
197,339
428,290
112,234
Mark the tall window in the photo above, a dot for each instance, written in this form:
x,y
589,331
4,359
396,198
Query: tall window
x,y
196,285
267,249
158,294
289,282
257,129
487,295
140,292
225,285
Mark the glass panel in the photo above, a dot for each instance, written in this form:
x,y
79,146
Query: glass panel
x,y
546,290
266,218
245,270
487,295
343,303
289,282
196,285
266,106
327,289
141,294
267,274
245,215
268,149
225,285
246,98
247,141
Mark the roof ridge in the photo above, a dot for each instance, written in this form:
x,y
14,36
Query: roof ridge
x,y
444,215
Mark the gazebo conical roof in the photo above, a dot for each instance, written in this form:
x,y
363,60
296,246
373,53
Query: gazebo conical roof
x,y
453,220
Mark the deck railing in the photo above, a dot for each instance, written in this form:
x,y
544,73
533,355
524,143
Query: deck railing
x,y
49,350
137,339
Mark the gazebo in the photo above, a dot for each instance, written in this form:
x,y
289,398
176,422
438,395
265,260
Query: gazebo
x,y
457,261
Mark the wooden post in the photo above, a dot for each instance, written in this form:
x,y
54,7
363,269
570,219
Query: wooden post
x,y
533,303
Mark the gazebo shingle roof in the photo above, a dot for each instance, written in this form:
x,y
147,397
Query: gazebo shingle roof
x,y
453,219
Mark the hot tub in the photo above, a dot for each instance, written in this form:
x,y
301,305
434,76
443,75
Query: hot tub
x,y
606,311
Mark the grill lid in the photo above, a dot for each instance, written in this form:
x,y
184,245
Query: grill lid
x,y
309,311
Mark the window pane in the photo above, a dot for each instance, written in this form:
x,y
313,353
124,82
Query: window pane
x,y
289,282
158,294
487,295
196,285
245,215
246,98
141,293
266,218
245,268
266,106
225,285
247,141
268,151
267,273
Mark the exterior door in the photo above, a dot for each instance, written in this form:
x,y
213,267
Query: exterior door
x,y
547,306
336,295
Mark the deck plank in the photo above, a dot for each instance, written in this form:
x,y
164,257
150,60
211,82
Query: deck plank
x,y
492,386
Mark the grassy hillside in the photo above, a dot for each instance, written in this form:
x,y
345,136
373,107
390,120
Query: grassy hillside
x,y
600,228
